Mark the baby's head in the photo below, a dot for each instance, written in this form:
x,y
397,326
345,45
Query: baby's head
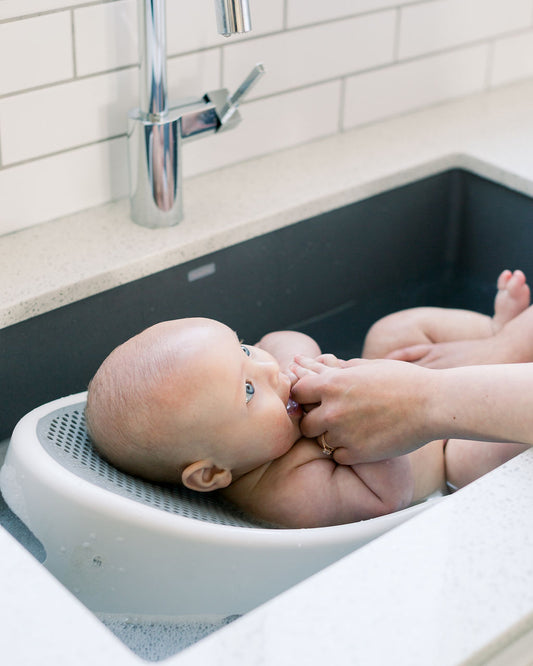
x,y
185,401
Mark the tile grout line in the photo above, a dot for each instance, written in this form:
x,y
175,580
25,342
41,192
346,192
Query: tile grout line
x,y
73,45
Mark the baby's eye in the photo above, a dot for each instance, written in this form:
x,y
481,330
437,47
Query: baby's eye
x,y
249,391
245,350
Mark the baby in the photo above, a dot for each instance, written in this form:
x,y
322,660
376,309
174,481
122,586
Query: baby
x,y
186,402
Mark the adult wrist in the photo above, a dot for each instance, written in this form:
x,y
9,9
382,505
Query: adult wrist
x,y
437,413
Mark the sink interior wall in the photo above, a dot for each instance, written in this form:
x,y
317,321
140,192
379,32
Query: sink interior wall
x,y
440,241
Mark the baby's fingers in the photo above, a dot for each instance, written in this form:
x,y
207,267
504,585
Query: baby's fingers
x,y
299,372
304,365
330,360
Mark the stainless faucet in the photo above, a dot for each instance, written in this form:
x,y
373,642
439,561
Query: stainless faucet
x,y
232,16
156,131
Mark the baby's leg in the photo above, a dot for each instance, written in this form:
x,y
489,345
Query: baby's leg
x,y
467,460
445,338
423,326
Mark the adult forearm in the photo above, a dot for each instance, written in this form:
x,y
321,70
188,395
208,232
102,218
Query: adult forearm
x,y
371,410
492,402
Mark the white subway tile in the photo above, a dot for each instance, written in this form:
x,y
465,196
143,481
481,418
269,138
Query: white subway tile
x,y
310,55
106,36
57,118
91,109
16,8
75,118
44,189
512,59
405,87
193,74
302,12
443,24
35,52
269,125
192,25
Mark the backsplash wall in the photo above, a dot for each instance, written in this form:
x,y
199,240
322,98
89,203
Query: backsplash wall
x,y
68,76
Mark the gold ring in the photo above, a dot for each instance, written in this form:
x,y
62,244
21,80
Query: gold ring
x,y
327,450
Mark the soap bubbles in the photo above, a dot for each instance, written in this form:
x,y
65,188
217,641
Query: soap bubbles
x,y
154,639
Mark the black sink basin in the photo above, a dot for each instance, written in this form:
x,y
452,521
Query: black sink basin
x,y
438,241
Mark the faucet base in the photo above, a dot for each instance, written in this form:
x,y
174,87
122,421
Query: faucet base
x,y
154,144
155,175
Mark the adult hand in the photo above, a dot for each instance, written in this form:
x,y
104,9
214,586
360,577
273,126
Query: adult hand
x,y
368,410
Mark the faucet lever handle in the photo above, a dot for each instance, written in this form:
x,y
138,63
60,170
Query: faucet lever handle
x,y
234,100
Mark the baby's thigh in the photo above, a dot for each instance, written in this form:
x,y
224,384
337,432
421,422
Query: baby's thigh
x,y
421,326
467,460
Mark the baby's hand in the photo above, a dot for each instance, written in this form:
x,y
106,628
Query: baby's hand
x,y
305,365
331,361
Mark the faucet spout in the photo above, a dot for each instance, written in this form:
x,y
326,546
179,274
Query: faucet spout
x,y
233,16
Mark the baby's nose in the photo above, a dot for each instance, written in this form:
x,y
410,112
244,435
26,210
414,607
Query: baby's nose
x,y
271,370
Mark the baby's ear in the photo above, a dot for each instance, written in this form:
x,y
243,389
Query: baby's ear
x,y
204,476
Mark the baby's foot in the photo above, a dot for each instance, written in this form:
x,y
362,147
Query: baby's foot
x,y
513,297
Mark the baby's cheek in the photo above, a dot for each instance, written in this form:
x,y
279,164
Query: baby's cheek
x,y
292,430
285,432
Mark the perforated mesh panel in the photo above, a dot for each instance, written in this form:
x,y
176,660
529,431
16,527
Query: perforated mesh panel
x,y
63,435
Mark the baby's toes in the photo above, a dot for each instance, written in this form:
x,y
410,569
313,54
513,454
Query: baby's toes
x,y
504,278
516,283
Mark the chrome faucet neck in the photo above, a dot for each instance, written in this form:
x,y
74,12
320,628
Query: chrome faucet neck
x,y
157,130
153,63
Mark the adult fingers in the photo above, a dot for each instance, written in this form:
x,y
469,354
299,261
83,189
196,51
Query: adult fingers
x,y
312,424
308,388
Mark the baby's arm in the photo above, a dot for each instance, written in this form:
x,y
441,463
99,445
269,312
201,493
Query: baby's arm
x,y
303,488
284,345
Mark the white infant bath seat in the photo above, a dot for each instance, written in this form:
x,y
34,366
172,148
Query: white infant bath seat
x,y
122,545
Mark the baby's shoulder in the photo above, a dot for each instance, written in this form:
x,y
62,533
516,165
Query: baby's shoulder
x,y
304,455
270,492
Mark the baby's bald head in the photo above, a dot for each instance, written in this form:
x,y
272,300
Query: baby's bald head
x,y
186,401
131,404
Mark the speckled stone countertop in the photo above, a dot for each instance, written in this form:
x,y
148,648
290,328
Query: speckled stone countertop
x,y
83,254
454,585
